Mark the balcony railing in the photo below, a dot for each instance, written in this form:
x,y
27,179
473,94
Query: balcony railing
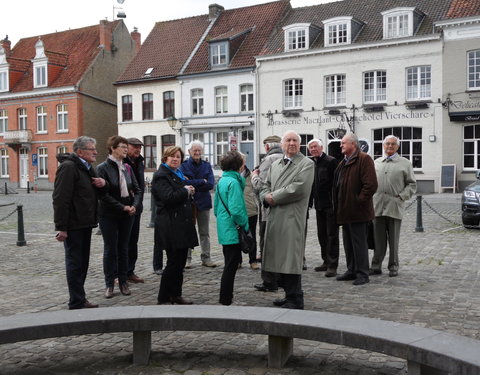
x,y
17,136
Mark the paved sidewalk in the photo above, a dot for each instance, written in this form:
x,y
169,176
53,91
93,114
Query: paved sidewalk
x,y
438,287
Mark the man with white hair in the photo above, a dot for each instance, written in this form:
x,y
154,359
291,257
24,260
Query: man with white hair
x,y
287,191
321,198
396,184
199,174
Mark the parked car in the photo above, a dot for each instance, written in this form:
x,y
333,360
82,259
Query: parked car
x,y
471,203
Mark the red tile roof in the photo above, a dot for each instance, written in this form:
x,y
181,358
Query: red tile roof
x,y
75,49
464,8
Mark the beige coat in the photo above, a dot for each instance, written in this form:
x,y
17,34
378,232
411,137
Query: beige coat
x,y
290,186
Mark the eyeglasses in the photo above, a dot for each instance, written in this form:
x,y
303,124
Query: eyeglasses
x,y
123,146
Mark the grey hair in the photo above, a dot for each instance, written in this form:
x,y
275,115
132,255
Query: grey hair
x,y
291,132
194,143
82,142
315,140
353,138
272,144
397,141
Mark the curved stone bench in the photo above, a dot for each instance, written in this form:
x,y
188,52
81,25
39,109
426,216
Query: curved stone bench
x,y
427,351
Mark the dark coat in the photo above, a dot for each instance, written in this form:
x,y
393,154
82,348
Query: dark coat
x,y
197,174
74,197
111,203
174,226
355,182
321,195
138,167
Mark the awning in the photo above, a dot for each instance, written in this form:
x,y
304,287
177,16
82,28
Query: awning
x,y
464,116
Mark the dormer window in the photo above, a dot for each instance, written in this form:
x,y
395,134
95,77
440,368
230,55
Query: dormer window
x,y
219,55
341,30
3,71
40,77
299,36
400,22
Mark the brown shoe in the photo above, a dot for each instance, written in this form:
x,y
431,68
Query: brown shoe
x,y
180,301
208,263
89,305
125,290
254,266
331,272
135,279
321,268
109,292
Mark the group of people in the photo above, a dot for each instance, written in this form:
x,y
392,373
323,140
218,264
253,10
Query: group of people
x,y
356,193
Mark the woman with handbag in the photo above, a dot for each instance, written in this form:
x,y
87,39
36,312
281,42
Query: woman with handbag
x,y
174,228
230,211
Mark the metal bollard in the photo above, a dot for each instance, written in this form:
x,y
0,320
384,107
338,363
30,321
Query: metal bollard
x,y
419,226
152,213
28,187
21,230
6,189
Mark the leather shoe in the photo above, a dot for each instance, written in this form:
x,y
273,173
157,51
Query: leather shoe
x,y
360,281
135,279
264,288
331,272
180,301
89,305
208,263
109,292
280,301
374,271
321,268
346,276
393,273
290,305
125,290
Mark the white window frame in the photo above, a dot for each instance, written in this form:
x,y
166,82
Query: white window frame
x,y
296,36
40,75
408,143
392,27
62,118
42,162
247,99
4,159
4,80
41,119
473,70
3,121
219,55
416,88
221,100
197,102
221,145
293,93
333,28
375,79
22,119
335,90
475,141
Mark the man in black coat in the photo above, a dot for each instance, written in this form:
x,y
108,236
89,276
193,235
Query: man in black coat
x,y
75,200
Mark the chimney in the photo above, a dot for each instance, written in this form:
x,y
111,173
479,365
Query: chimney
x,y
137,38
105,35
214,11
5,43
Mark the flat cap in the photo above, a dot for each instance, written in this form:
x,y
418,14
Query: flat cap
x,y
134,141
272,139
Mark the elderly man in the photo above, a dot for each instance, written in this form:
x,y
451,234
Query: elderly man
x,y
287,191
321,197
274,151
199,174
396,184
354,184
75,200
136,163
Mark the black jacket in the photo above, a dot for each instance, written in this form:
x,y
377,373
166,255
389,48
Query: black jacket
x,y
174,226
321,195
74,197
111,203
138,167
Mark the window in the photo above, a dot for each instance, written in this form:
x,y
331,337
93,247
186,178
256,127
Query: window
x,y
147,106
22,119
127,108
337,34
222,145
401,22
375,86
219,54
293,93
474,70
61,150
40,75
247,135
471,147
41,119
335,90
42,162
410,143
208,140
3,80
167,141
4,163
221,99
304,139
62,118
246,98
295,39
418,82
197,102
3,121
168,104
397,26
150,151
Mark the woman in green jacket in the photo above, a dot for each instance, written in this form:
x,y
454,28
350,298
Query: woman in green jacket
x,y
229,209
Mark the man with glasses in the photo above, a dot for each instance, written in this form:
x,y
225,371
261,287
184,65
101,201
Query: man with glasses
x,y
75,197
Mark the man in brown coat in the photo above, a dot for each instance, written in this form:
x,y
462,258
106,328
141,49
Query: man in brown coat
x,y
355,182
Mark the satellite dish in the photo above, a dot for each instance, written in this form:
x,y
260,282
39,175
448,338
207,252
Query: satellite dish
x,y
120,1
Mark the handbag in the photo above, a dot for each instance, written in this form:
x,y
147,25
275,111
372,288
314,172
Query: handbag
x,y
245,239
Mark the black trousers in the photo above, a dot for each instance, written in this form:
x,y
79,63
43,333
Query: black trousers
x,y
356,248
172,278
327,233
292,284
252,224
133,245
232,257
77,257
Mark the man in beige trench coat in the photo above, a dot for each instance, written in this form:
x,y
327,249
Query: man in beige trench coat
x,y
287,190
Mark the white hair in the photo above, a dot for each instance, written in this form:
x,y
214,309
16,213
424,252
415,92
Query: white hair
x,y
291,132
353,138
315,140
397,141
194,143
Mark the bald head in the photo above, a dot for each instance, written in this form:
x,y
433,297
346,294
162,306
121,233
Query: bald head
x,y
349,144
291,143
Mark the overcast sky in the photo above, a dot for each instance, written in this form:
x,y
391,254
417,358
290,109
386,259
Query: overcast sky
x,y
26,18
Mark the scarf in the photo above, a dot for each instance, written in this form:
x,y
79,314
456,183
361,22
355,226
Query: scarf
x,y
121,174
178,172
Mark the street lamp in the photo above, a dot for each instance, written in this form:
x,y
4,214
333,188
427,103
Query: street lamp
x,y
172,121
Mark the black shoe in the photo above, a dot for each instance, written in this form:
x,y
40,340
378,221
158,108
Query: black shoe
x,y
393,273
331,272
360,281
346,276
374,271
264,288
304,267
321,268
291,305
280,301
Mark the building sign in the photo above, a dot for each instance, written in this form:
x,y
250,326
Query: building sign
x,y
459,110
233,142
464,116
34,160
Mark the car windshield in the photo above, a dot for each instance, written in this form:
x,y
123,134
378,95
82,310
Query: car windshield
x,y
474,187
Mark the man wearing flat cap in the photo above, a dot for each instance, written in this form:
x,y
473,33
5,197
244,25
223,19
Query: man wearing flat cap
x,y
137,167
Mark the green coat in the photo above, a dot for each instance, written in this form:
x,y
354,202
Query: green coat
x,y
231,187
396,184
290,186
